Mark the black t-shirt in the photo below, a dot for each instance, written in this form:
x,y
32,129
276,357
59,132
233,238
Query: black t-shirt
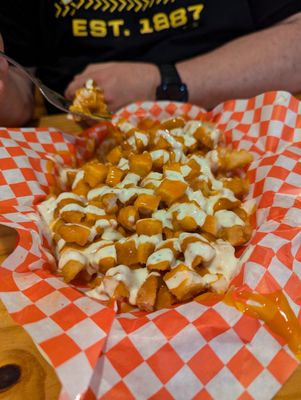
x,y
61,37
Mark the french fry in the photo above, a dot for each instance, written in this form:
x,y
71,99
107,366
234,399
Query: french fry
x,y
146,296
149,226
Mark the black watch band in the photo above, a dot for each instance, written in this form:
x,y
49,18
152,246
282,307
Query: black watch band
x,y
171,87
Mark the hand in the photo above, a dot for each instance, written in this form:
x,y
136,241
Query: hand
x,y
122,82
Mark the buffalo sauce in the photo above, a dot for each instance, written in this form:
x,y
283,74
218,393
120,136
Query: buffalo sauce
x,y
272,308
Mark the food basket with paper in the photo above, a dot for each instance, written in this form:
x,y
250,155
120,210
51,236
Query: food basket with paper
x,y
123,259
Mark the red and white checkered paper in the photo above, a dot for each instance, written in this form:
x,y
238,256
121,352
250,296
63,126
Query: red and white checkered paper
x,y
193,351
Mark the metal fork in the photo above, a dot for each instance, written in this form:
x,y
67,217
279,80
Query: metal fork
x,y
53,97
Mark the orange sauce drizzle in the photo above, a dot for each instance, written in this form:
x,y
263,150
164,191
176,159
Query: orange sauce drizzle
x,y
272,308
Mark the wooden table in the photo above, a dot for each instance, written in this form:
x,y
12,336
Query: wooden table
x,y
290,391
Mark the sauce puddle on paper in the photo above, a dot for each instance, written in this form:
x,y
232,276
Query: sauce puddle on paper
x,y
272,308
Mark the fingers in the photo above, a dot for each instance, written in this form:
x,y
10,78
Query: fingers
x,y
77,83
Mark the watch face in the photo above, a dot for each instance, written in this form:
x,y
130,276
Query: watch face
x,y
172,91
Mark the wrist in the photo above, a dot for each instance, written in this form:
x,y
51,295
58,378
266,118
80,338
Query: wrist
x,y
171,86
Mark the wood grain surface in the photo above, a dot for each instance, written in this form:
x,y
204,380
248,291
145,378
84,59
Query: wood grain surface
x,y
14,340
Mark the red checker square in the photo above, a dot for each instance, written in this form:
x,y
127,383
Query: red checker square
x,y
88,395
60,349
68,316
257,115
15,151
28,314
29,174
245,396
263,128
104,318
277,213
279,113
165,363
262,255
289,189
31,136
49,148
170,323
124,357
245,367
8,163
93,352
292,288
268,161
21,189
279,172
288,134
286,231
205,364
156,110
297,169
70,293
118,392
203,395
258,188
267,284
131,325
267,199
171,108
162,394
269,98
246,328
7,282
294,104
284,254
211,324
38,290
282,366
57,137
2,179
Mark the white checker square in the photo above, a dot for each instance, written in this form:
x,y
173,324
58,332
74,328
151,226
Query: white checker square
x,y
248,117
44,137
88,306
229,314
284,161
86,333
224,386
36,147
266,113
6,193
76,374
275,128
184,384
291,118
14,301
253,274
259,101
283,200
262,172
264,387
26,280
268,226
52,303
104,377
18,257
142,382
293,217
155,314
240,105
187,342
272,241
148,339
116,335
4,153
294,180
43,330
56,282
272,184
226,345
16,135
279,271
253,132
191,311
264,340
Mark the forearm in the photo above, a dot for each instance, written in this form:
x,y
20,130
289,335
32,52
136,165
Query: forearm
x,y
18,104
266,60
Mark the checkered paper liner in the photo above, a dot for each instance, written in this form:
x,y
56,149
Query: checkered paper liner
x,y
193,351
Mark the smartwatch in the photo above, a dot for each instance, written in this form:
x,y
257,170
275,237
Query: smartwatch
x,y
171,87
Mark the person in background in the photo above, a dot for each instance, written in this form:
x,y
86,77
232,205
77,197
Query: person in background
x,y
203,52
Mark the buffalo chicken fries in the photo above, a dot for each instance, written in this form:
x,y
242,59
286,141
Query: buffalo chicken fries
x,y
157,220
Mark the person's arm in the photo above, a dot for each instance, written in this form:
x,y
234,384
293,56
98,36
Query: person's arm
x,y
266,60
16,95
